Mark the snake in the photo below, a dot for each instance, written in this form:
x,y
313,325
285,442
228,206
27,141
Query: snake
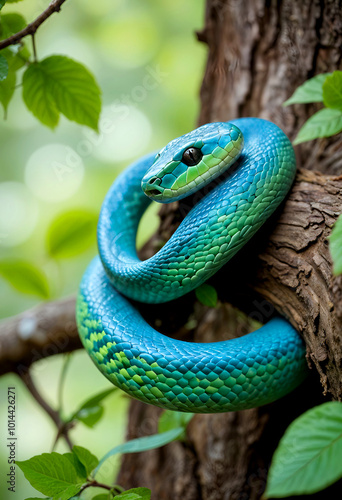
x,y
240,172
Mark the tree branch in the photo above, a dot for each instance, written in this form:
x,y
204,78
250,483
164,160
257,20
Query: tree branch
x,y
96,484
53,414
55,6
38,333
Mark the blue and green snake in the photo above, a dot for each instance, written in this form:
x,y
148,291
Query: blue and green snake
x,y
246,372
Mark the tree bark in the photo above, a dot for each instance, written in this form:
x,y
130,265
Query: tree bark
x,y
259,52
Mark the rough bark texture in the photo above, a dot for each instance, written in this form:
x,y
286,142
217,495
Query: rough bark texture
x,y
259,52
293,271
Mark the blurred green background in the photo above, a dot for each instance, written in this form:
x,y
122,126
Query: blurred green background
x,y
149,66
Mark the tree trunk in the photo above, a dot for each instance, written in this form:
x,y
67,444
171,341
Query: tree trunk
x,y
259,52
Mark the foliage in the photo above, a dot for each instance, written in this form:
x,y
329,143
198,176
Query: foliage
x,y
57,85
91,411
70,233
25,277
324,123
310,91
145,443
325,88
55,475
173,419
135,494
53,86
206,295
62,476
309,456
335,240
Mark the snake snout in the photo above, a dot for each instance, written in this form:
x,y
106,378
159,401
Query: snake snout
x,y
150,186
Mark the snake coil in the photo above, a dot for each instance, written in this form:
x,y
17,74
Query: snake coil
x,y
202,378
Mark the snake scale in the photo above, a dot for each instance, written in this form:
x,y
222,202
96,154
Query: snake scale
x,y
246,372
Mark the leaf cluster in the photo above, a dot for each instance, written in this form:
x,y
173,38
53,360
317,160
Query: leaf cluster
x,y
65,476
327,89
53,86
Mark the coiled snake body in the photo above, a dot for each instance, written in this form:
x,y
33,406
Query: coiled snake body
x,y
214,377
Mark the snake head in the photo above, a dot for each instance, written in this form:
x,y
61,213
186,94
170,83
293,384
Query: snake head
x,y
191,161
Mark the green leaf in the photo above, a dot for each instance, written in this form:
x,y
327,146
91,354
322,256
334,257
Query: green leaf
x,y
3,68
102,496
87,459
332,91
79,467
207,295
171,419
335,242
324,123
52,474
25,277
95,400
70,233
2,3
128,496
135,494
310,91
10,24
91,411
7,88
75,90
17,56
90,416
308,458
144,493
143,444
64,86
37,96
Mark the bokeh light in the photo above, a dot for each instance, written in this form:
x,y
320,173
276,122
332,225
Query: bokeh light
x,y
54,172
130,38
18,213
124,133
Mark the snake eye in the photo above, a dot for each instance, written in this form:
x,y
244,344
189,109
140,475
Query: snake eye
x,y
192,156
